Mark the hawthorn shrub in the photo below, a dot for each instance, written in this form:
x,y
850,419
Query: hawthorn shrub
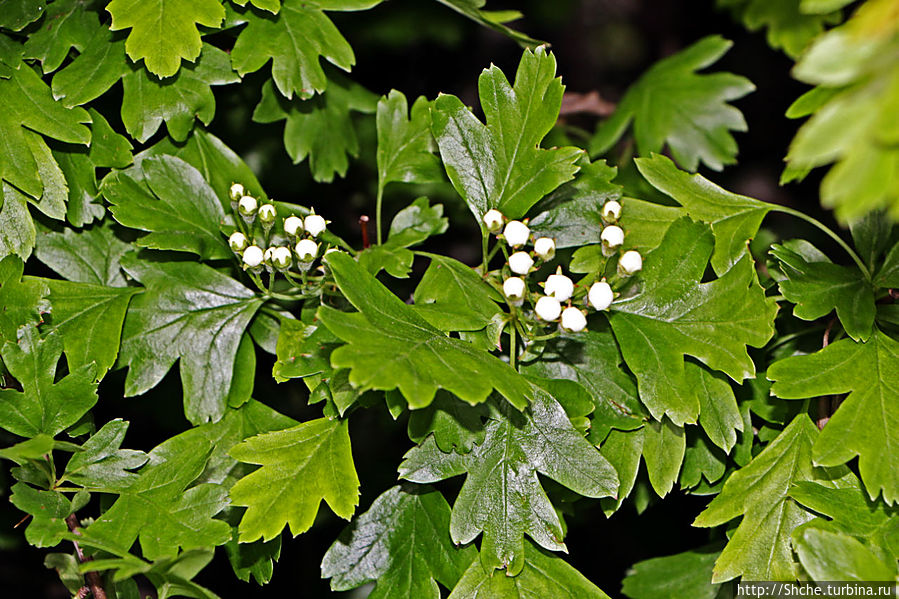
x,y
624,333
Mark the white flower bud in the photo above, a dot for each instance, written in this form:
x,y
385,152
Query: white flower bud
x,y
600,295
237,192
573,320
238,241
267,255
516,233
281,258
493,219
559,286
611,211
545,248
247,206
513,289
612,237
548,308
630,262
314,224
306,250
520,263
293,225
267,214
253,256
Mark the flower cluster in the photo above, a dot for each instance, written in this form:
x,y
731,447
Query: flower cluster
x,y
560,301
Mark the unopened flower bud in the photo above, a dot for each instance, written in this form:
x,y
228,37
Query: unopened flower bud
x,y
514,289
611,212
293,225
247,206
559,286
267,214
612,237
545,248
267,255
630,263
548,308
281,258
238,242
306,250
493,219
520,263
516,233
314,224
237,192
253,256
600,295
573,320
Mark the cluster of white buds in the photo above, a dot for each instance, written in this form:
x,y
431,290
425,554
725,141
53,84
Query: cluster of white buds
x,y
559,290
612,237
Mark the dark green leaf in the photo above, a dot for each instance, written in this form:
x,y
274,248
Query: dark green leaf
x,y
456,426
19,13
88,256
494,19
664,444
687,574
829,555
719,414
102,464
99,66
68,24
16,227
48,510
22,301
405,145
453,297
623,450
790,25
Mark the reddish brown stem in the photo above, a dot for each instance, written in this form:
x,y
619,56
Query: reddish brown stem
x,y
93,580
827,404
363,224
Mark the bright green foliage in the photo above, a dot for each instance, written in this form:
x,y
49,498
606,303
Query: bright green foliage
x,y
87,256
169,198
22,301
760,547
790,24
178,101
191,312
94,71
300,466
719,414
673,316
543,575
32,449
411,226
703,464
852,124
108,148
17,230
405,145
664,444
89,318
671,105
102,464
164,31
456,426
401,543
735,219
453,297
159,508
389,345
499,165
66,25
320,128
817,287
294,39
865,424
687,574
835,556
44,405
48,510
502,496
272,6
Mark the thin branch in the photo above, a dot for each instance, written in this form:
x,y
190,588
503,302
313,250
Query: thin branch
x,y
826,403
93,580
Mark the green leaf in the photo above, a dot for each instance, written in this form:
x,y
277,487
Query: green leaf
x,y
100,65
31,449
572,215
675,315
67,25
102,464
389,345
817,287
169,198
162,509
147,102
687,574
89,318
19,13
453,297
790,25
401,544
164,31
865,424
719,414
735,219
499,165
704,464
760,547
834,556
48,510
300,467
664,444
320,128
83,205
27,106
272,6
623,450
191,312
494,19
16,227
888,275
52,201
456,426
673,105
91,255
22,301
303,350
502,496
44,405
543,575
294,39
415,223
405,144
